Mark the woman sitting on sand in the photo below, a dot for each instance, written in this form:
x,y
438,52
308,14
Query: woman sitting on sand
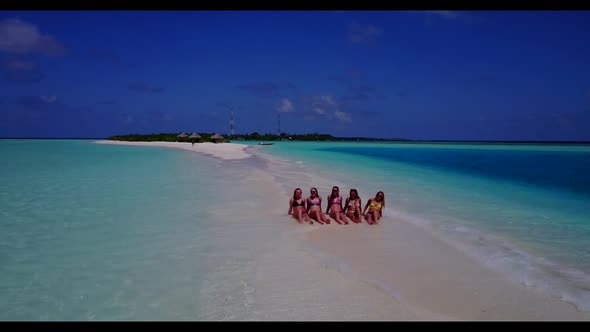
x,y
314,207
335,206
375,206
352,208
297,206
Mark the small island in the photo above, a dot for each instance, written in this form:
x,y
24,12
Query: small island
x,y
255,136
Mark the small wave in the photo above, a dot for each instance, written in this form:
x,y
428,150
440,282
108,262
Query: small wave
x,y
570,285
498,253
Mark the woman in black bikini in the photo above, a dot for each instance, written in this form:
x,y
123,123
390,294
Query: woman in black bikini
x,y
352,208
314,208
335,206
297,206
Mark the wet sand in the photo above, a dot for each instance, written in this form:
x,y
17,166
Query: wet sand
x,y
433,279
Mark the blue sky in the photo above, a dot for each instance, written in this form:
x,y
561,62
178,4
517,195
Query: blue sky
x,y
449,75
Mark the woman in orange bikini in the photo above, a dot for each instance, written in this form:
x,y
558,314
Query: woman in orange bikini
x,y
335,206
352,208
297,206
375,206
314,208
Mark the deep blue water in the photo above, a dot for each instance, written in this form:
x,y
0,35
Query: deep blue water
x,y
523,209
566,170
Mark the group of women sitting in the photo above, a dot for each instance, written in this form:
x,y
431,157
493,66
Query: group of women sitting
x,y
310,209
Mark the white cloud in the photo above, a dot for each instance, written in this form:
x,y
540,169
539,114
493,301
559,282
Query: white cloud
x,y
322,101
285,106
342,116
319,110
324,106
328,100
20,37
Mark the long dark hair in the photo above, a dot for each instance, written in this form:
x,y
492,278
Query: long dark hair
x,y
332,193
295,191
317,194
382,199
356,193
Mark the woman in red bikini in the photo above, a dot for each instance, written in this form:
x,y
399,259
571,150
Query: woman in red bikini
x,y
335,206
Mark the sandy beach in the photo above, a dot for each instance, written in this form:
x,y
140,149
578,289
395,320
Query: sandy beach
x,y
433,279
226,151
392,271
166,165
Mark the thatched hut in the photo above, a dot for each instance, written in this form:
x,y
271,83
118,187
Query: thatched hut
x,y
195,137
217,138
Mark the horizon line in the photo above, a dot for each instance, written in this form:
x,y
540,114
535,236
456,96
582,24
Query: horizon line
x,y
352,138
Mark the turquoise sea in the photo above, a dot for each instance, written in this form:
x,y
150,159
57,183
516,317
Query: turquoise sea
x,y
103,232
521,208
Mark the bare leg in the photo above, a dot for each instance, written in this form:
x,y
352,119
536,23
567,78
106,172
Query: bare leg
x,y
315,215
351,216
354,218
343,218
336,216
369,218
312,216
377,216
358,215
324,218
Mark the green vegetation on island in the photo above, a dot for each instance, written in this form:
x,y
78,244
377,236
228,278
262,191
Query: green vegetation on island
x,y
255,136
163,137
